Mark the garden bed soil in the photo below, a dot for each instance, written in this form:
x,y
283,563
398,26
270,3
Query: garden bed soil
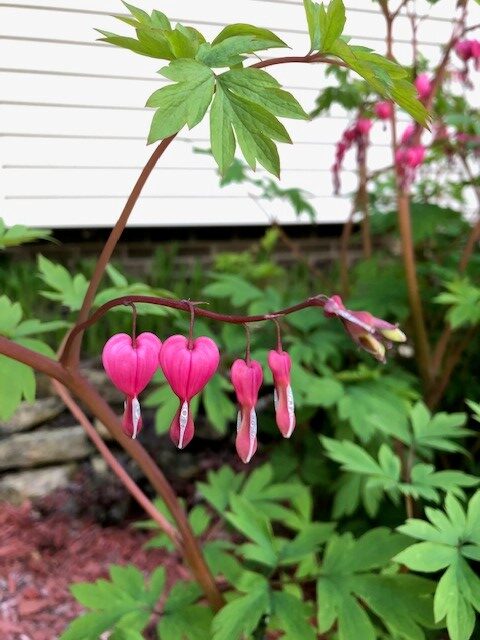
x,y
43,550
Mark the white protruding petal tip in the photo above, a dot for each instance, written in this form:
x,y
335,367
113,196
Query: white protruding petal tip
x,y
183,421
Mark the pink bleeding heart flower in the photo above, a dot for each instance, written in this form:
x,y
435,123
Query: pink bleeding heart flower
x,y
247,378
383,110
131,364
187,367
372,334
408,133
463,49
363,126
415,156
280,365
424,86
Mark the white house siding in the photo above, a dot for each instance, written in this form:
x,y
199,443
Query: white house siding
x,y
73,128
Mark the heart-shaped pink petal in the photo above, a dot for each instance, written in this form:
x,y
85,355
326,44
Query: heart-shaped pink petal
x,y
131,366
188,370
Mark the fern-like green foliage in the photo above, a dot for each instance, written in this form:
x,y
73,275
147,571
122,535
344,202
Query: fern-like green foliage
x,y
246,102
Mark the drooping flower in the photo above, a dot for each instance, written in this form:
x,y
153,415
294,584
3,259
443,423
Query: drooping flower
x,y
188,366
280,365
463,49
468,49
383,110
363,126
357,134
408,133
131,363
372,334
247,378
424,86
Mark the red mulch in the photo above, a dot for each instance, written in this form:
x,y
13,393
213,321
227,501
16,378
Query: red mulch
x,y
40,556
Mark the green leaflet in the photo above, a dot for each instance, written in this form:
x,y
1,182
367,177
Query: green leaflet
x,y
184,103
448,540
292,616
383,76
19,234
260,87
17,380
182,618
241,616
123,603
234,41
248,102
264,37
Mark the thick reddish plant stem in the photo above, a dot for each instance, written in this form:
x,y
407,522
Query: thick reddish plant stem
x,y
405,228
409,263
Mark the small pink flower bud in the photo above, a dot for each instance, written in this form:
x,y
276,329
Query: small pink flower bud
x,y
424,86
130,365
187,369
384,110
280,365
365,330
247,379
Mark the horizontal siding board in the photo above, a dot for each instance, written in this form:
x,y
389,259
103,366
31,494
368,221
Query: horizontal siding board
x,y
164,182
43,151
104,122
163,212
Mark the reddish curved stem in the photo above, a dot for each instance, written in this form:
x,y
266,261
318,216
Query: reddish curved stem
x,y
185,305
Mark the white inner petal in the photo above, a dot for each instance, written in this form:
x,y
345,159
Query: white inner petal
x,y
183,423
136,414
291,410
239,420
275,399
252,434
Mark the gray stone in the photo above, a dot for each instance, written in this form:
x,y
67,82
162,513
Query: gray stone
x,y
16,487
102,430
44,446
29,415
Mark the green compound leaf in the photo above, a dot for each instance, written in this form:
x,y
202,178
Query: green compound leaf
x,y
348,589
446,545
184,103
123,604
